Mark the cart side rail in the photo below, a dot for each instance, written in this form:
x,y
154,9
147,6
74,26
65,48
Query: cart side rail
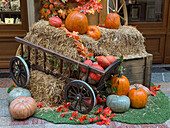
x,y
62,57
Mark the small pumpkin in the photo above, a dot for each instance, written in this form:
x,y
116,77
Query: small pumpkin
x,y
22,107
138,97
141,86
112,21
96,76
94,32
118,103
17,92
121,83
55,21
76,21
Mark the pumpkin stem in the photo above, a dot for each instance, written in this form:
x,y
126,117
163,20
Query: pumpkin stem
x,y
137,87
120,74
81,11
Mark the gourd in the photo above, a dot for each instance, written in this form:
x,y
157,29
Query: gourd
x,y
138,97
112,21
22,107
118,103
76,21
17,92
141,86
121,83
94,32
55,21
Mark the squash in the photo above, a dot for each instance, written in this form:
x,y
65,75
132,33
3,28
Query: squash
x,y
112,21
17,92
118,103
141,86
94,32
96,76
138,97
121,83
22,107
76,21
55,21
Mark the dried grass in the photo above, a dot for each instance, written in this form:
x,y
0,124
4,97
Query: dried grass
x,y
46,88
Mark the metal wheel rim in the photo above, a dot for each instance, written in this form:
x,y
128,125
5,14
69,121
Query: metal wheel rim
x,y
83,85
19,71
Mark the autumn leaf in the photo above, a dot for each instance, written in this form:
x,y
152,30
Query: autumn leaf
x,y
45,6
40,105
107,111
51,6
90,54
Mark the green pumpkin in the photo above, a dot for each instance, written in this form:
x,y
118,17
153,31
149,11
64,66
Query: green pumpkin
x,y
118,103
17,92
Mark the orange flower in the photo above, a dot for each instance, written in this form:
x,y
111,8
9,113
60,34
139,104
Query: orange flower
x,y
45,6
48,12
55,13
51,6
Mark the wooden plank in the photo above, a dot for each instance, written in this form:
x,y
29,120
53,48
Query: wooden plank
x,y
103,12
147,77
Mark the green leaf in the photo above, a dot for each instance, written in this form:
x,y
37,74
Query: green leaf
x,y
92,58
121,58
108,91
83,59
114,89
10,89
75,68
108,83
65,65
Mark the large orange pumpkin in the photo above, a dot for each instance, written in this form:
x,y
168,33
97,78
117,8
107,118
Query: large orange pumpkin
x,y
76,21
121,83
94,32
138,97
22,107
112,21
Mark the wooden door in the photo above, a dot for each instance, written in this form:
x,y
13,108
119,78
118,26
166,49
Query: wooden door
x,y
8,46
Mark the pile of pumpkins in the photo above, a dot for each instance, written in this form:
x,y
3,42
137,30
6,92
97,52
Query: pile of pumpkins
x,y
21,104
135,95
78,22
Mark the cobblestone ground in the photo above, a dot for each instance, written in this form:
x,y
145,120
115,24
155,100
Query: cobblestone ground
x,y
6,121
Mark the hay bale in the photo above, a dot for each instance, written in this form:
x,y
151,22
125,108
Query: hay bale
x,y
46,88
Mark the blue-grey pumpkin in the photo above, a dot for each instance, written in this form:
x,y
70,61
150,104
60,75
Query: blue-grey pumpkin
x,y
17,92
118,103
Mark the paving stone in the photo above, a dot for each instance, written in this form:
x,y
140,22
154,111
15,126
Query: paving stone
x,y
3,93
168,123
157,77
29,121
5,82
51,125
5,121
166,77
4,111
24,126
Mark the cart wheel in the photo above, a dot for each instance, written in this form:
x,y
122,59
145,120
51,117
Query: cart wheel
x,y
77,92
19,71
112,6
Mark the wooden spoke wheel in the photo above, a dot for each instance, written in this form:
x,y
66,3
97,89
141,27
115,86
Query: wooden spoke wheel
x,y
116,6
78,93
19,71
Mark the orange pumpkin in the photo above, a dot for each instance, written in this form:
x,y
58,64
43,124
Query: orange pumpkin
x,y
94,32
76,21
141,86
121,83
22,107
138,97
112,21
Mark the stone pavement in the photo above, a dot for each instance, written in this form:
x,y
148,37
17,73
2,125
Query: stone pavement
x,y
6,121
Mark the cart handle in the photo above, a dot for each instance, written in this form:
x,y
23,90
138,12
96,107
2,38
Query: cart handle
x,y
62,57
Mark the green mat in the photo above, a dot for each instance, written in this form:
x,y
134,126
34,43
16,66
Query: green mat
x,y
156,111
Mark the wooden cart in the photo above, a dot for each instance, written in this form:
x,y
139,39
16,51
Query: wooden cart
x,y
77,91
